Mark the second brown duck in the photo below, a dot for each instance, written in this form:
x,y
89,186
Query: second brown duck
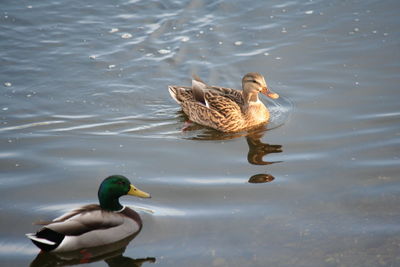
x,y
225,109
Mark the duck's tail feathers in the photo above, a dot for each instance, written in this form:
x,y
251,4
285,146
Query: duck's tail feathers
x,y
173,92
33,237
46,239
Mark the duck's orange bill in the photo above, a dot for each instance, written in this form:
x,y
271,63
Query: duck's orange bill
x,y
272,95
268,93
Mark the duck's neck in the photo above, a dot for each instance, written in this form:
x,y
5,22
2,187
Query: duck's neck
x,y
250,98
109,203
254,111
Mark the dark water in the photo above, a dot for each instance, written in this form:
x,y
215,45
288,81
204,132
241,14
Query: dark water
x,y
84,95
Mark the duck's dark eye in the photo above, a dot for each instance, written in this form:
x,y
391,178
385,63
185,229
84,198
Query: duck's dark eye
x,y
254,81
121,182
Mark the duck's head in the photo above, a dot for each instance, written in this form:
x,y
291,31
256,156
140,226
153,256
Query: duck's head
x,y
115,186
254,83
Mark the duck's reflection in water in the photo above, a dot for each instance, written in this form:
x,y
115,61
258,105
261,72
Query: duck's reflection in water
x,y
261,178
111,254
257,149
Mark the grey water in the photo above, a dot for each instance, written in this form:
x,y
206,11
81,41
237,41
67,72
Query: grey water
x,y
83,95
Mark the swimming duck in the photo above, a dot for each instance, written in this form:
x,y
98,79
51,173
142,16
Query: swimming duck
x,y
225,109
93,225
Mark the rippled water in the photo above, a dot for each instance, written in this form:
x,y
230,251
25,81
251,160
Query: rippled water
x,y
84,95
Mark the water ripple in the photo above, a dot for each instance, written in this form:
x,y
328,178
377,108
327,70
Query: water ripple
x,y
254,52
30,125
87,126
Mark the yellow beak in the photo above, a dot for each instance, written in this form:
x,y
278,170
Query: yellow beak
x,y
138,193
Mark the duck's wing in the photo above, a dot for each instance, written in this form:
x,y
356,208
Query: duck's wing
x,y
72,226
200,88
198,91
212,106
81,210
219,113
87,221
233,94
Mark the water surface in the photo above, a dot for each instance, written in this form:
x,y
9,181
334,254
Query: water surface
x,y
84,95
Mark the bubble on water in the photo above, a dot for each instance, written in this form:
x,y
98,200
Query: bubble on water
x,y
201,32
164,51
278,58
220,43
238,43
385,34
5,109
185,39
304,26
111,66
284,30
93,57
29,6
7,84
356,29
211,28
266,54
126,36
114,30
309,12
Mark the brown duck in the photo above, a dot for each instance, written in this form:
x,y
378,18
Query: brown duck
x,y
225,109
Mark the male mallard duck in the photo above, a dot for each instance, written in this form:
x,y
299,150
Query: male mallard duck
x,y
93,225
225,109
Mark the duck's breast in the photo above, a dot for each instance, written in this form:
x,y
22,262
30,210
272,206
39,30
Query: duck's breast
x,y
257,113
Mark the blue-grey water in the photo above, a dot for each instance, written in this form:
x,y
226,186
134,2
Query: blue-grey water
x,y
83,94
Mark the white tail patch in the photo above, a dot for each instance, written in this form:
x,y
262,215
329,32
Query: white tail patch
x,y
40,240
172,92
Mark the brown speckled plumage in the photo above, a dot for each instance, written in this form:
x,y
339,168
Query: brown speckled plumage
x,y
224,109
